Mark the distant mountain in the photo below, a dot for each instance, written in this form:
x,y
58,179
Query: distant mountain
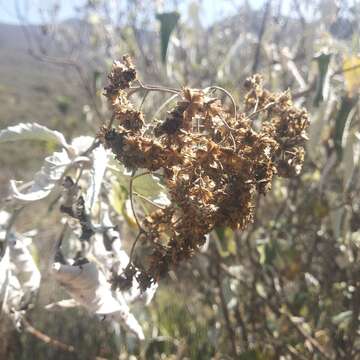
x,y
30,88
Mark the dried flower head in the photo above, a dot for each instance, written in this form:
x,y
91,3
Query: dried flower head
x,y
212,160
121,75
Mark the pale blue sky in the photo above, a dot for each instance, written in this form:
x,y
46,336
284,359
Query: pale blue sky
x,y
30,8
214,9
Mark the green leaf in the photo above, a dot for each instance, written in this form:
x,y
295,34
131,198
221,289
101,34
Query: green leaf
x,y
63,103
267,251
97,80
342,319
225,241
168,22
148,185
220,232
118,196
342,122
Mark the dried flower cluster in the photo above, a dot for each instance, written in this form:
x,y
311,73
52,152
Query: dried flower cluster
x,y
212,160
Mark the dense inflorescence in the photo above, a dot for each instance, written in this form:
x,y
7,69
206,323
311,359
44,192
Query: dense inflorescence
x,y
212,160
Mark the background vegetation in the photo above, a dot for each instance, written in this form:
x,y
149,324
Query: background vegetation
x,y
286,288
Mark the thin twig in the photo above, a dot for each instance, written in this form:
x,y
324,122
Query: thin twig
x,y
164,104
111,121
133,177
342,70
147,200
241,322
156,88
79,70
143,99
79,175
141,232
47,339
260,37
228,94
300,14
316,345
225,310
92,147
266,107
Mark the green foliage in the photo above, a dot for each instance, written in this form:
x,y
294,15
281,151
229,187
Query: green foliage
x,y
168,23
342,119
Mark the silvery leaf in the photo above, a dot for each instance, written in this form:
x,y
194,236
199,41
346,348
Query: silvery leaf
x,y
89,287
32,131
25,266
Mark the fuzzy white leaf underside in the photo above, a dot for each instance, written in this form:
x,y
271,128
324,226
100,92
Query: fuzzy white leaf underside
x,y
4,273
25,266
32,131
45,180
89,287
99,163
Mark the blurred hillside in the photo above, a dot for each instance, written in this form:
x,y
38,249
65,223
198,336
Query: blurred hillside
x,y
26,81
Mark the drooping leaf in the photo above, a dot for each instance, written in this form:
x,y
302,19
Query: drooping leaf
x,y
351,159
168,21
267,251
97,80
319,119
225,241
118,195
336,221
323,61
32,131
343,117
